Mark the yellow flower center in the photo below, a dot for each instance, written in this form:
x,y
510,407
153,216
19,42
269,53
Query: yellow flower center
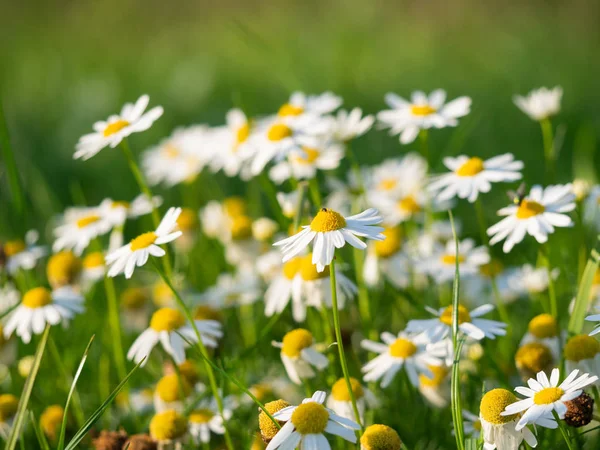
x,y
37,297
463,315
422,110
451,259
167,319
242,133
311,154
93,260
533,357
295,341
88,220
477,425
493,403
134,298
278,132
51,419
234,206
267,428
391,244
529,208
171,151
327,220
290,110
402,348
162,294
205,312
340,391
201,415
387,184
409,204
470,168
439,375
11,248
63,268
310,418
115,127
8,406
167,426
308,271
120,204
548,395
491,269
143,241
292,267
187,220
241,228
380,437
543,326
581,347
169,388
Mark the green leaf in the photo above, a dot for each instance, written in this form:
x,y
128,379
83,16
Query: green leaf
x,y
583,294
63,427
96,414
26,394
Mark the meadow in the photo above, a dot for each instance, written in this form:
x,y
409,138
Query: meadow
x,y
213,212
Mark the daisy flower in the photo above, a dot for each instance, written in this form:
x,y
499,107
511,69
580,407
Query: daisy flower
x,y
331,230
545,396
500,431
537,215
285,287
8,411
441,265
380,437
93,269
171,392
472,175
168,428
306,424
527,279
23,254
582,352
204,419
136,253
534,357
111,132
407,118
469,323
298,354
166,326
398,178
41,307
387,258
436,388
414,353
540,103
117,212
78,228
543,329
472,424
340,401
301,104
350,125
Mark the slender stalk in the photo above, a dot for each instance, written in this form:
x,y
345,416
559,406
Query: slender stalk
x,y
209,369
424,144
549,151
564,431
115,327
340,344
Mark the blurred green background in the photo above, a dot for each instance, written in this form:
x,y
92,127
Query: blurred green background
x,y
68,64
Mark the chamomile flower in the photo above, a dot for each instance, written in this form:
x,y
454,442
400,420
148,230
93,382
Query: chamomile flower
x,y
136,253
385,259
93,269
63,269
117,212
500,431
436,387
205,419
79,226
472,424
51,420
171,392
537,215
582,352
8,411
527,280
331,230
540,103
350,125
407,118
470,176
298,354
111,132
340,401
441,265
534,357
23,254
285,287
301,105
401,179
41,307
306,424
166,326
543,329
469,323
414,353
168,427
545,396
380,437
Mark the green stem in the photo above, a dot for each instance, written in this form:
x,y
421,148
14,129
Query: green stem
x,y
115,327
14,181
209,369
563,431
549,151
340,344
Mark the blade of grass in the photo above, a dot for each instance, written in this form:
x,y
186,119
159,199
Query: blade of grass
x,y
96,414
63,427
583,294
26,394
8,156
38,432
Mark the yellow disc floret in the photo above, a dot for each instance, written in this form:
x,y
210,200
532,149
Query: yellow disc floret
x,y
529,208
402,348
463,315
292,267
134,298
11,248
451,259
167,319
93,260
422,110
308,271
202,415
533,357
8,406
543,326
168,426
187,220
470,168
295,341
493,403
409,204
278,132
439,375
310,418
290,110
391,244
115,127
143,241
380,437
170,387
37,297
548,396
63,269
327,220
340,392
242,133
310,155
87,221
268,430
51,419
234,206
241,227
581,347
